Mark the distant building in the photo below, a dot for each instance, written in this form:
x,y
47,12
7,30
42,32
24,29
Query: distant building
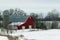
x,y
19,22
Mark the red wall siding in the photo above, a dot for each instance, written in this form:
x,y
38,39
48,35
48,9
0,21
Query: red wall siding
x,y
29,21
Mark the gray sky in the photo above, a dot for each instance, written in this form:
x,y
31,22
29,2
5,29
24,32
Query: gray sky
x,y
29,6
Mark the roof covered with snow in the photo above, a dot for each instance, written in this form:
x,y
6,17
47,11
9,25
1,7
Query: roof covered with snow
x,y
16,23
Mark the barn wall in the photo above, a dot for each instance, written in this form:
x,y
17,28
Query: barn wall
x,y
29,21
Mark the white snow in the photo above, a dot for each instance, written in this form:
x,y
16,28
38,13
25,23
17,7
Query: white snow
x,y
16,23
3,38
52,34
43,35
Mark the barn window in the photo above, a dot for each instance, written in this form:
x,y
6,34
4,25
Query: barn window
x,y
30,26
23,27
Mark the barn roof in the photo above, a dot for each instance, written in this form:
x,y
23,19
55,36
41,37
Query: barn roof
x,y
18,18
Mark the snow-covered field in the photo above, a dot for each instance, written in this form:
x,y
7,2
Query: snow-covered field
x,y
3,38
52,34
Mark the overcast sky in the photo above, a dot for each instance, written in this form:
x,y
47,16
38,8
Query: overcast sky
x,y
29,6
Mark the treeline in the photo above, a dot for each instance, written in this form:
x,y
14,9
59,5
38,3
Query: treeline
x,y
51,16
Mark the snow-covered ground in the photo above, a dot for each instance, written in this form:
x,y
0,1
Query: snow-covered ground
x,y
3,38
52,34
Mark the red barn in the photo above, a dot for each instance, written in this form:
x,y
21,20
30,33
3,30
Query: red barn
x,y
29,22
